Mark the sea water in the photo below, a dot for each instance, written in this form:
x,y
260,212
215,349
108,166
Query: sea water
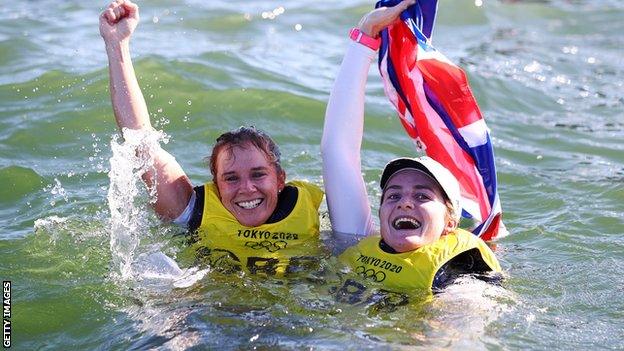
x,y
92,268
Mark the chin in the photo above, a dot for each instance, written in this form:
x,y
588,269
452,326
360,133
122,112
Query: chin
x,y
250,222
253,221
405,244
404,247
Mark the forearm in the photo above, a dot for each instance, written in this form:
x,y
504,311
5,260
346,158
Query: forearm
x,y
345,189
173,188
344,117
128,102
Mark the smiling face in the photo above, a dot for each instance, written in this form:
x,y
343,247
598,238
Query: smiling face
x,y
413,212
248,183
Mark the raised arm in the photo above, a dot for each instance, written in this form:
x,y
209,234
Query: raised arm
x,y
345,190
117,23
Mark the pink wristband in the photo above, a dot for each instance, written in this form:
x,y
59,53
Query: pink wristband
x,y
359,37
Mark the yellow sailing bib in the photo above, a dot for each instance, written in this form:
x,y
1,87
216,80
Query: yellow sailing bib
x,y
271,248
413,269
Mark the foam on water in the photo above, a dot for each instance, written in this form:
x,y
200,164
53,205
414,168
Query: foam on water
x,y
48,221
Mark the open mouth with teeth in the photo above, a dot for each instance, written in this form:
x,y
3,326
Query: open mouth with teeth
x,y
402,223
249,205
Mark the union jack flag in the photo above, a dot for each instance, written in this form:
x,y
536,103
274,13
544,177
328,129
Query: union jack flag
x,y
439,112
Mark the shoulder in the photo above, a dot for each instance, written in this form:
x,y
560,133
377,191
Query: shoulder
x,y
308,189
365,245
479,247
472,257
306,186
210,188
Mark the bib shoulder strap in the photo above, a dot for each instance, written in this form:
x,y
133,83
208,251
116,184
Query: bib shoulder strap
x,y
198,208
286,202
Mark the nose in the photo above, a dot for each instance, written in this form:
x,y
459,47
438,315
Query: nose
x,y
406,203
248,185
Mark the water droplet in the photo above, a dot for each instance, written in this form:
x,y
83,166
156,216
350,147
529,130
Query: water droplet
x,y
155,19
170,102
561,79
533,67
189,102
298,27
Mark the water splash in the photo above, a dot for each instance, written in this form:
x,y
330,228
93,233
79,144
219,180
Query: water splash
x,y
130,214
50,225
56,191
159,271
465,310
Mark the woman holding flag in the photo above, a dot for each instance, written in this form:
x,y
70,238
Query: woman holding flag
x,y
420,245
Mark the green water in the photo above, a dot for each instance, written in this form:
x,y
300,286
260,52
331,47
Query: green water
x,y
547,75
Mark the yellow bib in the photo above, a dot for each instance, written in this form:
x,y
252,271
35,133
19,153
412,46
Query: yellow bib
x,y
271,248
413,269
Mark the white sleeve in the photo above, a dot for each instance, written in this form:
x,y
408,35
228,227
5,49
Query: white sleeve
x,y
345,190
184,218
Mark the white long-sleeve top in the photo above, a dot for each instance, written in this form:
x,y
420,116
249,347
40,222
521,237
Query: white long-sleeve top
x,y
345,190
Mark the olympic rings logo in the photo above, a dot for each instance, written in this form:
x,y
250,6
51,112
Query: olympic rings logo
x,y
377,276
269,246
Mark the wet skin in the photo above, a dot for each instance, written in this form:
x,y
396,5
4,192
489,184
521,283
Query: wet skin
x,y
248,184
413,212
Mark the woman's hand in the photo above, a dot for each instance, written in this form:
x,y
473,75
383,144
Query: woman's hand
x,y
118,21
375,21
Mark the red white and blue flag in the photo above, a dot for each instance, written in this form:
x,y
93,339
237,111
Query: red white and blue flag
x,y
439,112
